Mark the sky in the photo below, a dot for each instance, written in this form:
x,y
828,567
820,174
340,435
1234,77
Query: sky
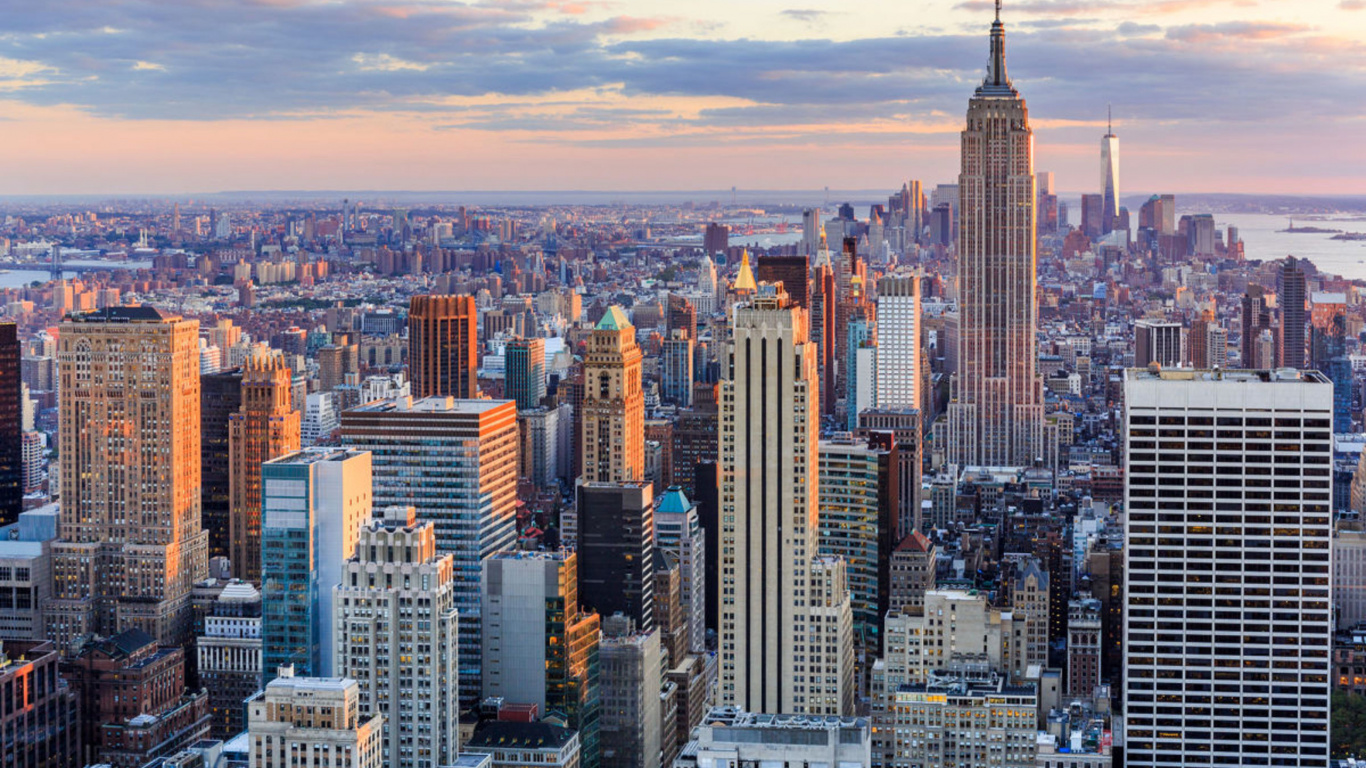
x,y
184,96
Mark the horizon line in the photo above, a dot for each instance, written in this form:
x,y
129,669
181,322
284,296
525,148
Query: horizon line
x,y
327,193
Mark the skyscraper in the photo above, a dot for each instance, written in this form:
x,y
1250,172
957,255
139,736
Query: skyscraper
x,y
1231,586
539,647
405,669
859,512
706,276
769,494
632,669
678,531
313,504
1290,295
861,358
899,358
676,376
613,403
996,417
716,239
682,316
1256,318
616,533
443,346
229,656
265,427
11,426
1093,216
336,362
1208,341
131,546
793,272
822,327
524,372
1158,342
1109,179
221,396
455,462
811,232
851,283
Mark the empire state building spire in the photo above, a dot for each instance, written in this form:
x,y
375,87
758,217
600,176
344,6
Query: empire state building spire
x,y
997,81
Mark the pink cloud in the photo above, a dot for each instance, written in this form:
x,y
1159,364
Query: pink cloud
x,y
1128,7
1236,30
626,25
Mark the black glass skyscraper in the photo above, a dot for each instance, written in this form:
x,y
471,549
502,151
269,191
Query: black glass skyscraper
x,y
11,427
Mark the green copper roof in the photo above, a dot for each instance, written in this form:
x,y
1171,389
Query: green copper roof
x,y
613,320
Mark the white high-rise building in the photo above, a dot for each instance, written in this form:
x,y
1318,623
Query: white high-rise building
x,y
320,418
678,531
706,277
395,606
768,467
1109,179
811,232
898,342
1227,616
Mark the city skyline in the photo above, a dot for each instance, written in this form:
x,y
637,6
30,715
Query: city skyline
x,y
602,95
683,482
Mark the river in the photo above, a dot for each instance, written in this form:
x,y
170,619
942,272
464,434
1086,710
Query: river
x,y
19,278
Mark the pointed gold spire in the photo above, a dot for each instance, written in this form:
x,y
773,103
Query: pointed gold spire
x,y
744,279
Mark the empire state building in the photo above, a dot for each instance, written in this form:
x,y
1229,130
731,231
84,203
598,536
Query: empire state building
x,y
996,416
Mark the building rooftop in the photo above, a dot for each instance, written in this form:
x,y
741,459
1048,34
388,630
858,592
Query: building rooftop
x,y
733,717
315,455
498,734
430,405
1291,375
238,591
969,681
471,760
674,501
340,684
122,645
614,319
526,554
915,542
138,314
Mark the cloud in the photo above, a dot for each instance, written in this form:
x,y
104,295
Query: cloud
x,y
1130,28
547,67
1126,7
1352,5
627,25
383,62
1234,30
807,15
18,69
